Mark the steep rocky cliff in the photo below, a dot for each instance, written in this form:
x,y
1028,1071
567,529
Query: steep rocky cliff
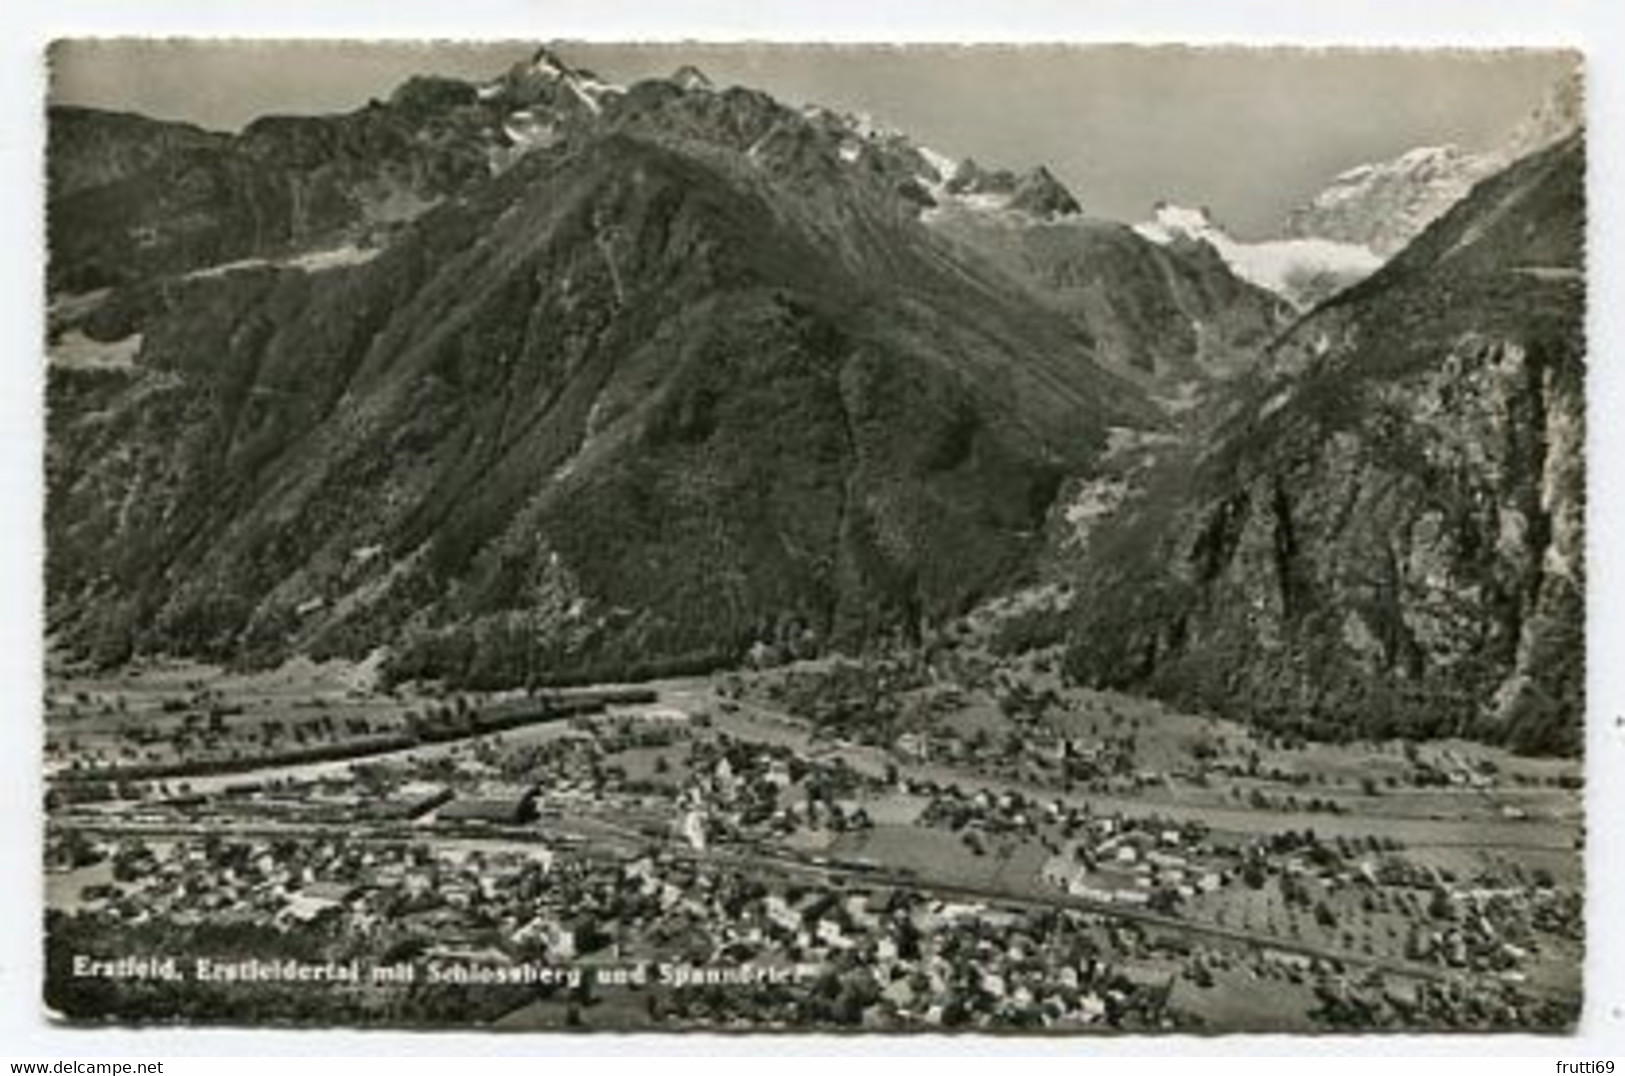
x,y
1384,535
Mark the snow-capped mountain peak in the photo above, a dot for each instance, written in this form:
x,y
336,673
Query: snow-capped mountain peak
x,y
545,63
547,76
1385,204
1169,220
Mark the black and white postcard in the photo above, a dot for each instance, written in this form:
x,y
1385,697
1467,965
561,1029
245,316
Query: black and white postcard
x,y
1061,540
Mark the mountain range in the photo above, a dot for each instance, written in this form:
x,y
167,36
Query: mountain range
x,y
543,379
1386,204
1370,212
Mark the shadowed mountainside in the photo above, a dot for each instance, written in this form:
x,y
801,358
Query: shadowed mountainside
x,y
1386,535
613,410
544,379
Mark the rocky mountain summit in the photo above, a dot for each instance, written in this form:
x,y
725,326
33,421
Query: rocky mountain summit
x,y
1036,193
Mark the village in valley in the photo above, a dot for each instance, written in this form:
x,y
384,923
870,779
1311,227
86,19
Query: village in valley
x,y
929,840
539,539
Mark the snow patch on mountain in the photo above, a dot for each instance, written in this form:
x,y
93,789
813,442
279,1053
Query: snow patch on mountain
x,y
75,350
546,64
526,130
310,261
1302,270
1092,503
592,91
339,257
941,164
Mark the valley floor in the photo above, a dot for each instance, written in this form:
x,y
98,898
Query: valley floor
x,y
883,844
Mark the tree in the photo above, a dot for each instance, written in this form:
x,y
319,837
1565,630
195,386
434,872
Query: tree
x,y
79,850
1164,900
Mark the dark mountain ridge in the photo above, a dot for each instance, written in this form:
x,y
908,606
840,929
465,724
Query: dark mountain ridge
x,y
619,407
191,200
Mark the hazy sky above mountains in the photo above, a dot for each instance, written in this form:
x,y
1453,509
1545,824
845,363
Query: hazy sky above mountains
x,y
1248,133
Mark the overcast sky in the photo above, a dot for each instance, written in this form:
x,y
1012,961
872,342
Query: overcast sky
x,y
1249,133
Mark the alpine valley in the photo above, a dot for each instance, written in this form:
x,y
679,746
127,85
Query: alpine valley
x,y
546,379
541,553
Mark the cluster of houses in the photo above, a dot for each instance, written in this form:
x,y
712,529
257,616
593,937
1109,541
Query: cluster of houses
x,y
1116,865
921,960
